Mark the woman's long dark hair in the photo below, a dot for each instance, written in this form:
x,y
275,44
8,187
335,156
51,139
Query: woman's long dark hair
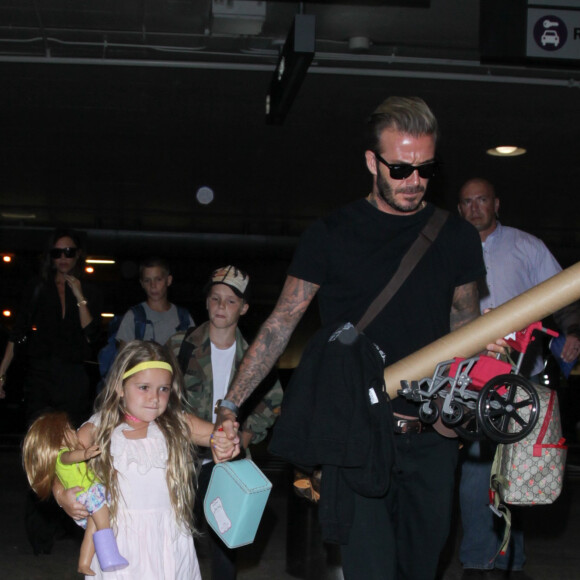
x,y
46,267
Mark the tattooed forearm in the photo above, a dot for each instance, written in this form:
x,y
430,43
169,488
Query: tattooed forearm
x,y
272,338
465,306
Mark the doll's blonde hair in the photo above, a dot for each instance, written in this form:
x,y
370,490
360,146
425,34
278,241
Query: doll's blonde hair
x,y
172,423
44,439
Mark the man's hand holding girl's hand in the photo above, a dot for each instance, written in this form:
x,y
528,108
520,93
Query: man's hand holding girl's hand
x,y
225,441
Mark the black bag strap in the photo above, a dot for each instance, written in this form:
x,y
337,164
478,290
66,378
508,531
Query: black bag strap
x,y
185,350
417,250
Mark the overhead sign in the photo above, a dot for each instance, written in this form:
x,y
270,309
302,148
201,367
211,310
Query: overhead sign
x,y
553,33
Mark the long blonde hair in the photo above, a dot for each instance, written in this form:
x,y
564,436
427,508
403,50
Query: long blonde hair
x,y
44,439
180,448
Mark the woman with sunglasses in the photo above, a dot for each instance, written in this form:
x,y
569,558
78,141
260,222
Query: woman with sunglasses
x,y
58,322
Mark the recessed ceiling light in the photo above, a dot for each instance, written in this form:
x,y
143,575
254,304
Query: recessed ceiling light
x,y
506,151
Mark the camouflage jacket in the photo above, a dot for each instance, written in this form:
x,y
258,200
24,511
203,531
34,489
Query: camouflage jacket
x,y
257,414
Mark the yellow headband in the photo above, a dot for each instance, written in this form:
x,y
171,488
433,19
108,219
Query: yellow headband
x,y
149,364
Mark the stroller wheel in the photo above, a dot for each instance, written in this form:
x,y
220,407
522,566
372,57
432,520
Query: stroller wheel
x,y
429,412
470,429
508,408
455,417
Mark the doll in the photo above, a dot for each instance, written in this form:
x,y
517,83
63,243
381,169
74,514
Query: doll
x,y
52,450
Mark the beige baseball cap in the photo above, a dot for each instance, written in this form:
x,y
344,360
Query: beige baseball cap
x,y
233,277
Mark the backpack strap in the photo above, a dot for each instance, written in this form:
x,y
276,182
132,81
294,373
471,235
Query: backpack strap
x,y
183,314
185,350
140,321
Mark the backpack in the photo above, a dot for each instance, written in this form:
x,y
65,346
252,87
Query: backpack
x,y
185,351
530,471
108,353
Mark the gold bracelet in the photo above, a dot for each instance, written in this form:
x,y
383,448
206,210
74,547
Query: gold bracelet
x,y
83,301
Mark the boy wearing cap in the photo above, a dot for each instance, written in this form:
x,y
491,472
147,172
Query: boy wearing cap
x,y
209,356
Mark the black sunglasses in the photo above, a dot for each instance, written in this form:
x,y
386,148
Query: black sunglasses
x,y
404,170
56,253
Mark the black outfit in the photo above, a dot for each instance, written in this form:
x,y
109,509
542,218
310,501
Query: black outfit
x,y
352,254
57,348
55,377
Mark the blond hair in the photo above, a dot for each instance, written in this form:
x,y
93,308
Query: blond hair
x,y
172,423
410,115
44,439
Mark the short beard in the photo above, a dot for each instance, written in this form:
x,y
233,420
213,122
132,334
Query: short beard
x,y
385,192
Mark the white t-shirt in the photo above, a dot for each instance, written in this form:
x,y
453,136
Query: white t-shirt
x,y
222,361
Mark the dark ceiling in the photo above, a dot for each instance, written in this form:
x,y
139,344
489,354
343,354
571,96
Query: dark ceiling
x,y
114,113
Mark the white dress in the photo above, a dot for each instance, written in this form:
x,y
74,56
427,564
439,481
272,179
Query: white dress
x,y
148,535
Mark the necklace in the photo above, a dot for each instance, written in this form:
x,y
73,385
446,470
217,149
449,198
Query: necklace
x,y
134,419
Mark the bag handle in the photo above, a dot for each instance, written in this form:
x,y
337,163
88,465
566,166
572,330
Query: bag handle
x,y
496,481
426,237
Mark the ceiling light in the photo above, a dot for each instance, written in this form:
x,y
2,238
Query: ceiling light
x,y
506,151
7,258
107,315
204,195
12,215
99,261
89,270
6,313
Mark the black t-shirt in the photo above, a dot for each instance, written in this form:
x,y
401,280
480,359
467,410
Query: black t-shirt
x,y
355,251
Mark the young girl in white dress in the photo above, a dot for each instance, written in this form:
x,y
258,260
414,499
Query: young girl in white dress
x,y
147,464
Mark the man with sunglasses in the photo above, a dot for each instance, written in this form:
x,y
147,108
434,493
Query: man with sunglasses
x,y
346,259
515,262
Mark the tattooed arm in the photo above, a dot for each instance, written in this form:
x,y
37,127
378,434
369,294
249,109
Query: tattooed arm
x,y
465,308
271,341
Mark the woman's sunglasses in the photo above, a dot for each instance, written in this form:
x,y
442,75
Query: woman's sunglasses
x,y
56,253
